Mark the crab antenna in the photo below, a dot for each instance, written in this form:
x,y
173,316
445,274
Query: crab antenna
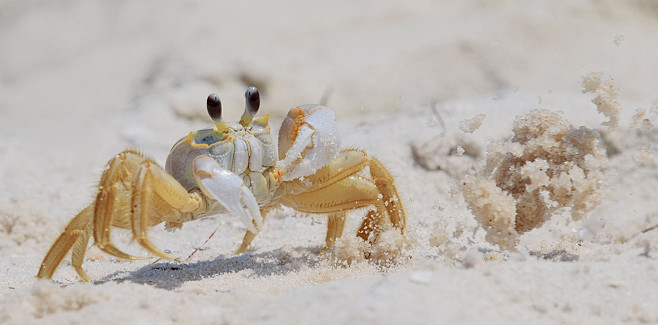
x,y
252,98
214,106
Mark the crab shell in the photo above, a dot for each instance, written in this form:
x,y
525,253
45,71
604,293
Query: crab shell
x,y
246,151
308,140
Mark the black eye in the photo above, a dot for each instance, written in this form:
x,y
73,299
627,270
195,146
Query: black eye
x,y
214,106
253,100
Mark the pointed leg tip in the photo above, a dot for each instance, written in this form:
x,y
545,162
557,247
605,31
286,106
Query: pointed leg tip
x,y
166,256
146,243
81,272
42,276
161,254
246,242
242,248
45,273
112,250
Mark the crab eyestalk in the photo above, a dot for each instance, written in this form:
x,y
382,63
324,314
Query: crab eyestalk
x,y
252,97
214,106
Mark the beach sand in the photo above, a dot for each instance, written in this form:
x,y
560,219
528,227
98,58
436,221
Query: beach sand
x,y
430,88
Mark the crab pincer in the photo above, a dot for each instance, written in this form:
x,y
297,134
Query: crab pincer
x,y
228,189
308,140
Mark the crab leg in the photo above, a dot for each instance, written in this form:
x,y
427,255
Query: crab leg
x,y
390,196
228,189
351,161
76,235
157,196
249,236
335,225
112,206
338,187
345,194
136,193
80,247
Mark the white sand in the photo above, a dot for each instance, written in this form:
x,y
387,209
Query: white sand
x,y
82,80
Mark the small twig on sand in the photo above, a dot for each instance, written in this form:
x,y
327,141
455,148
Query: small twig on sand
x,y
648,229
436,113
194,252
645,231
213,233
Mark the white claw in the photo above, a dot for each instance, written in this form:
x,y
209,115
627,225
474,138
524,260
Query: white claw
x,y
302,142
227,188
308,140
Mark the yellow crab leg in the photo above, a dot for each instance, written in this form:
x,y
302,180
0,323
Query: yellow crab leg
x,y
71,236
390,196
157,195
80,246
346,194
112,207
338,187
371,225
335,225
249,236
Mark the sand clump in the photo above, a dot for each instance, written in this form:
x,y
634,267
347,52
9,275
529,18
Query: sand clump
x,y
389,247
547,165
637,138
606,96
644,119
472,124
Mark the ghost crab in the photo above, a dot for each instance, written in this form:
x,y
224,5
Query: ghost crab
x,y
234,168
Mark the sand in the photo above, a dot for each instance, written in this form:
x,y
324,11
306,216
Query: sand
x,y
428,87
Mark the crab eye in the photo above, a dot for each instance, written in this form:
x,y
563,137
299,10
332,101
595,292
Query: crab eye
x,y
214,106
252,97
253,100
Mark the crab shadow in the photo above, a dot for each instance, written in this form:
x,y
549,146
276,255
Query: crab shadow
x,y
170,275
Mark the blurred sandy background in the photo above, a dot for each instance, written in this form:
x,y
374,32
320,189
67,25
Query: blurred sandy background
x,y
82,80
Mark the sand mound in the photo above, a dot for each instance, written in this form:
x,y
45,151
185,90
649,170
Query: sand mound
x,y
547,165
